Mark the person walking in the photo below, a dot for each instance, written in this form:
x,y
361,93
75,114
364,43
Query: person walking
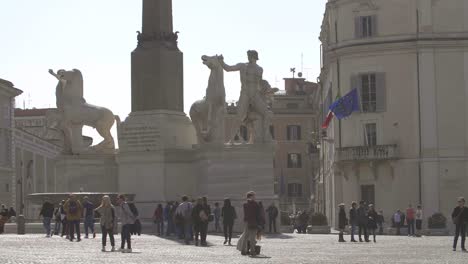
x,y
3,218
107,221
127,219
184,215
217,216
47,212
410,217
362,221
228,213
380,221
342,222
372,222
459,218
272,212
248,240
397,221
158,218
74,210
419,220
63,216
353,220
88,215
200,215
169,218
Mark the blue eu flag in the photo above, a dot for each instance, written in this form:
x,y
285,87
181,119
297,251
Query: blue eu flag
x,y
346,105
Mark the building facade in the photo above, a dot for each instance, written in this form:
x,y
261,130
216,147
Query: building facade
x,y
294,128
408,144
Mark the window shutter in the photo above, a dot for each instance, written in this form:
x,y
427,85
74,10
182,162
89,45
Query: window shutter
x,y
374,26
299,133
288,132
381,92
289,161
299,160
356,83
357,27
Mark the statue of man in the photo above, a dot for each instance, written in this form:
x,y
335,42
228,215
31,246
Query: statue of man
x,y
250,98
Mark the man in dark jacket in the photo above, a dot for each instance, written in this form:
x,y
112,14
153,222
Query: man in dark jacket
x,y
272,215
353,220
47,212
362,221
252,220
460,217
342,221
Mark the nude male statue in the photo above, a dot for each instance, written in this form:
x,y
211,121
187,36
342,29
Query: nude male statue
x,y
250,98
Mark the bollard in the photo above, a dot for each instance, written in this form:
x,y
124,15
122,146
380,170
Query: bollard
x,y
21,225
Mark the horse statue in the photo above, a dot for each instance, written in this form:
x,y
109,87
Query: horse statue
x,y
208,114
73,112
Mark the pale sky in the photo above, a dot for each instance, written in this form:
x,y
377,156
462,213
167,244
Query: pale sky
x,y
97,37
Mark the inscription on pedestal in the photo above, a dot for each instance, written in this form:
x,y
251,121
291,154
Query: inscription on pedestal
x,y
139,138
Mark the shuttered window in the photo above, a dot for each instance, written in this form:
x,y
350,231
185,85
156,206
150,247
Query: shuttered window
x,y
294,160
372,91
365,26
295,190
293,132
370,133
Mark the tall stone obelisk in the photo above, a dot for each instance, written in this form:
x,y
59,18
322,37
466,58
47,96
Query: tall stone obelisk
x,y
155,140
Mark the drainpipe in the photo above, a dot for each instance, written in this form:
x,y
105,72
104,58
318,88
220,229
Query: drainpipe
x,y
419,108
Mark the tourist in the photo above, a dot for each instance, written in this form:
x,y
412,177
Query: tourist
x,y
183,216
88,215
353,220
419,220
178,221
73,209
200,217
12,214
248,240
47,212
342,222
127,218
168,217
63,216
459,218
262,215
272,212
228,213
362,221
107,221
159,219
57,220
372,222
3,218
397,221
380,221
410,215
217,216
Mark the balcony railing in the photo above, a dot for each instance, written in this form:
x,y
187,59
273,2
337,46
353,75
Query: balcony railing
x,y
365,153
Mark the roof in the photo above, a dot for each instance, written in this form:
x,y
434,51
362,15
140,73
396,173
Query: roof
x,y
31,112
8,87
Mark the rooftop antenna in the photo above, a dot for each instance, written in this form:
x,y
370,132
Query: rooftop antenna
x,y
302,62
293,70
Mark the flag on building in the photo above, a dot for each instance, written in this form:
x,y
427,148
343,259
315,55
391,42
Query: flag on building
x,y
343,107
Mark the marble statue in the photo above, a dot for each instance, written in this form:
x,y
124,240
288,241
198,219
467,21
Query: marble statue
x,y
73,112
251,100
208,114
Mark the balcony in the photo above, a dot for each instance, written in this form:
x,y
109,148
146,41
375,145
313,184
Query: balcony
x,y
364,153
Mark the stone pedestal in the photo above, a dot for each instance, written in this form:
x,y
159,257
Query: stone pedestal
x,y
232,171
89,173
156,158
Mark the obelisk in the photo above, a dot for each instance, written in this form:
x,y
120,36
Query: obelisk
x,y
157,63
156,139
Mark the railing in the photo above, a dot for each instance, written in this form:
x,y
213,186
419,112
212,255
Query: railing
x,y
364,153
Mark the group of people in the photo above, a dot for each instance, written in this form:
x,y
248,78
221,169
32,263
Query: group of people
x,y
69,213
6,215
364,217
413,218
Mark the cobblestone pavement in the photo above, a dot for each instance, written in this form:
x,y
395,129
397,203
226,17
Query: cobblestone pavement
x,y
287,248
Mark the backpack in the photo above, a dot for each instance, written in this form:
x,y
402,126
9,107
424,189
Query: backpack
x,y
73,207
133,209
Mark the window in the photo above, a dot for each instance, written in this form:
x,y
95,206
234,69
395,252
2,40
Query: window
x,y
365,26
295,190
294,160
243,131
293,132
368,93
370,133
368,194
272,132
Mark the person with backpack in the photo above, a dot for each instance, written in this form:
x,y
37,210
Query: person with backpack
x,y
272,212
127,218
73,209
107,221
88,215
47,212
183,217
159,220
228,213
200,216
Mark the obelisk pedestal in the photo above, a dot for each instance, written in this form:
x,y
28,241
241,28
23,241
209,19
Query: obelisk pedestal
x,y
155,140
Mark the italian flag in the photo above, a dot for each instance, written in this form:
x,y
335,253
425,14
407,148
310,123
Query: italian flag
x,y
328,119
